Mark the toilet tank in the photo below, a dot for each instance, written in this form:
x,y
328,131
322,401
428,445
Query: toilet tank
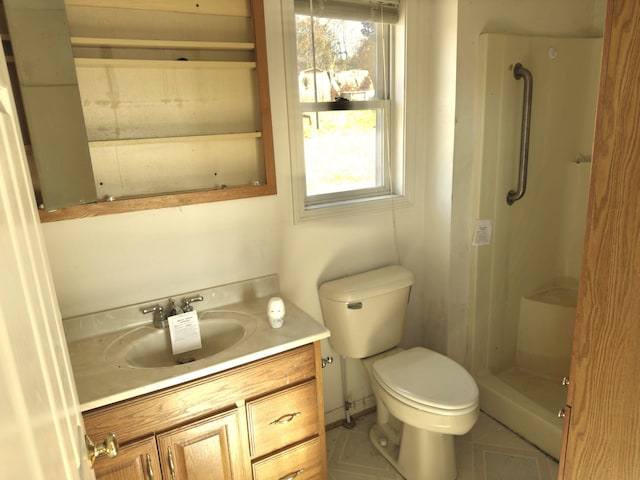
x,y
365,312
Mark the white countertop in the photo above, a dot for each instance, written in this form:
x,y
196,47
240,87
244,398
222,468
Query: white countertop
x,y
100,381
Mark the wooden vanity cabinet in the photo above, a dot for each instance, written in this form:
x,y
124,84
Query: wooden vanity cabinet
x,y
263,420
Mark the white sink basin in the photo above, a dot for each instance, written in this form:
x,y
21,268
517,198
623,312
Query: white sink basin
x,y
149,347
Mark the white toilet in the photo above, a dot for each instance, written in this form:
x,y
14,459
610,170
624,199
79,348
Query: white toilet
x,y
423,398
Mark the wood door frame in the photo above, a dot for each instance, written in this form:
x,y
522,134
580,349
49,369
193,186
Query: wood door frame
x,y
603,435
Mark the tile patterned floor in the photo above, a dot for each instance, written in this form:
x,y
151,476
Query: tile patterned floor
x,y
489,452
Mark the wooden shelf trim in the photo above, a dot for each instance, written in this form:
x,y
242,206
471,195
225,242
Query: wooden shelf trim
x,y
137,63
161,140
211,7
159,44
155,202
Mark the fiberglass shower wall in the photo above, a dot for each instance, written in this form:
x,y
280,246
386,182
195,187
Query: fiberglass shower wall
x,y
537,241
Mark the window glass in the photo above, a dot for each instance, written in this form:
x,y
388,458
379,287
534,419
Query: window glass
x,y
343,105
345,120
351,163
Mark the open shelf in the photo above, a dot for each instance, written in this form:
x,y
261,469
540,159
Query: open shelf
x,y
179,139
137,63
159,44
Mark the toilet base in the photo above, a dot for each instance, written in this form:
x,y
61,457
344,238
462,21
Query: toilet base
x,y
420,454
418,443
388,449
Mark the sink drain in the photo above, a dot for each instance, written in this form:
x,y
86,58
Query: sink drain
x,y
182,361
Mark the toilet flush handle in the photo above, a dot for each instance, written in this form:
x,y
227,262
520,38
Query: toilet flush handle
x,y
354,305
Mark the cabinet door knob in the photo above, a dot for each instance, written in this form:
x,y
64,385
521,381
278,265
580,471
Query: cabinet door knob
x,y
561,413
109,447
565,381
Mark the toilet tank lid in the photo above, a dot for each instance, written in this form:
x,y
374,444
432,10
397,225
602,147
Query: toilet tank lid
x,y
367,284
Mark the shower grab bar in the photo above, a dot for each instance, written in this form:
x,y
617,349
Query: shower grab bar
x,y
520,72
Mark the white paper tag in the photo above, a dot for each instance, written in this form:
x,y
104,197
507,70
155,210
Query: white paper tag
x,y
482,234
185,332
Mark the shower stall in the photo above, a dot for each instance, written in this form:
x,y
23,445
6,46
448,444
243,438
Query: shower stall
x,y
526,277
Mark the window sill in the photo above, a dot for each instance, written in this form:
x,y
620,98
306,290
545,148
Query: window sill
x,y
352,207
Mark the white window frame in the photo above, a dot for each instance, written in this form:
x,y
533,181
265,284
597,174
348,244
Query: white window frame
x,y
396,188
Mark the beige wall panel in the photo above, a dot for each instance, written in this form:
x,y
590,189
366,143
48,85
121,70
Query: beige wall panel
x,y
159,102
129,170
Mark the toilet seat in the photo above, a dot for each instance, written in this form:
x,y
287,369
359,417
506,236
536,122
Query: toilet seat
x,y
427,381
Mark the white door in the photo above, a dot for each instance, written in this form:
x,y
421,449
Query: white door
x,y
41,433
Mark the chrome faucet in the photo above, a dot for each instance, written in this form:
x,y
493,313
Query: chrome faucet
x,y
175,309
159,317
186,303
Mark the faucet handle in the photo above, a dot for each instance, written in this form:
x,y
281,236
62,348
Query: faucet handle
x,y
159,317
186,303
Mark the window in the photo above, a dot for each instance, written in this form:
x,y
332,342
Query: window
x,y
343,119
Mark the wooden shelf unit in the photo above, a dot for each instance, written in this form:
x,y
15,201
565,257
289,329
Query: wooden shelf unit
x,y
176,91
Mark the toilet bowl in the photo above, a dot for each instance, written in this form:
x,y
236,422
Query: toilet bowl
x,y
423,399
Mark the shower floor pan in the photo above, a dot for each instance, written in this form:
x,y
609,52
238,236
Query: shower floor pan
x,y
527,404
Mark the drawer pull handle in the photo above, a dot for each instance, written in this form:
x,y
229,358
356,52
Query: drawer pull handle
x,y
284,419
172,467
292,475
149,467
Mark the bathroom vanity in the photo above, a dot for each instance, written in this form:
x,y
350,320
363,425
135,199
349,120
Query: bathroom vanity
x,y
254,410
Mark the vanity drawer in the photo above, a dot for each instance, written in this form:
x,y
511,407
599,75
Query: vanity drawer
x,y
283,418
302,462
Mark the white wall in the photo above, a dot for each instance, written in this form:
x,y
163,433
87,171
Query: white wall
x,y
434,63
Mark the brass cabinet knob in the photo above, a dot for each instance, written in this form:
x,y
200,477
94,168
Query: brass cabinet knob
x,y
561,413
565,381
109,446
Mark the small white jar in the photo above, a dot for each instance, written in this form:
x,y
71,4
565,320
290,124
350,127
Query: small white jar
x,y
275,312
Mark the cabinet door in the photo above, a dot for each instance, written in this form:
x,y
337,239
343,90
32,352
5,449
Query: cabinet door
x,y
213,448
135,461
